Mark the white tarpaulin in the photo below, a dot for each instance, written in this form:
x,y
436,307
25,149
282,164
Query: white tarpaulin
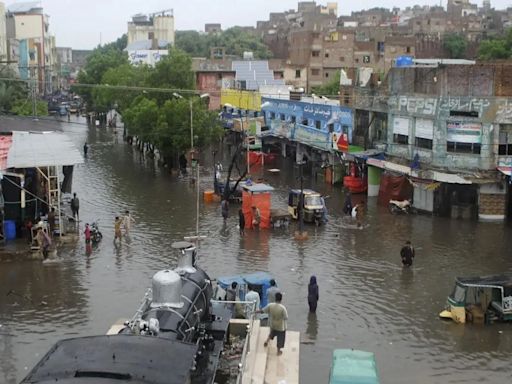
x,y
41,149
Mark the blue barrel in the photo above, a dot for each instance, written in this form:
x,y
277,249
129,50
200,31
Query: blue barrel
x,y
10,229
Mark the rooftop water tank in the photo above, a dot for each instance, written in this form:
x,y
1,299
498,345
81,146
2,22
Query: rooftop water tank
x,y
403,61
166,290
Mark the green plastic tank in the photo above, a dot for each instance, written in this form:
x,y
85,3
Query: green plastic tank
x,y
351,366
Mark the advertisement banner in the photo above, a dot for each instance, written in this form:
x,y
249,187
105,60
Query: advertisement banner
x,y
464,132
312,137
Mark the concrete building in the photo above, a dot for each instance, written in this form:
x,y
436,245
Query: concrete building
x,y
212,28
27,23
448,129
157,26
3,35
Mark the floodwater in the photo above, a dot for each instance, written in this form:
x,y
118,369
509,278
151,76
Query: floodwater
x,y
367,301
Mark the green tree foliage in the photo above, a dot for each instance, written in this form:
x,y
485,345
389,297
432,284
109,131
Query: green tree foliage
x,y
26,107
235,40
173,71
12,90
332,88
125,75
455,44
496,48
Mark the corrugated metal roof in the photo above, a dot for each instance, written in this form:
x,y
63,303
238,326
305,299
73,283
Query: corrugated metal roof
x,y
45,149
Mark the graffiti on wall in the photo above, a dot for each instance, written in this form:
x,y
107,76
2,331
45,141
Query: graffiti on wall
x,y
429,106
504,111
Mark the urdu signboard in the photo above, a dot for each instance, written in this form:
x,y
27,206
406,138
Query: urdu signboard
x,y
464,132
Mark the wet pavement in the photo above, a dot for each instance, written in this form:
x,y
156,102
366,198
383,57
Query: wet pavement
x,y
367,301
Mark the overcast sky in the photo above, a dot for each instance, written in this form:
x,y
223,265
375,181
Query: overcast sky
x,y
80,23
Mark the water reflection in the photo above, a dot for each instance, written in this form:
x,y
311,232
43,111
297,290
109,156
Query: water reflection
x,y
312,326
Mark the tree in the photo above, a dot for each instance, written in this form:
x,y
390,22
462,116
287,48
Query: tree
x,y
26,108
12,90
124,75
496,48
235,40
173,71
456,45
332,88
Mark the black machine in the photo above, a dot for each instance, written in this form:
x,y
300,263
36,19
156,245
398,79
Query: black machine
x,y
175,337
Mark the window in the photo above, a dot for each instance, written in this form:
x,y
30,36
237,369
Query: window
x,y
326,54
342,58
304,122
505,144
293,119
408,49
315,53
282,117
297,73
318,124
326,74
357,60
330,127
272,115
400,139
380,46
366,59
346,98
315,72
423,143
464,113
452,146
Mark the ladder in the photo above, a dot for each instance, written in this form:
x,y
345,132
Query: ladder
x,y
54,197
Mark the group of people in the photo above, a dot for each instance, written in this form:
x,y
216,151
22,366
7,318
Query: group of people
x,y
125,222
276,311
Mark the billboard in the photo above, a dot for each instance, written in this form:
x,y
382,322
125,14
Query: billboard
x,y
464,132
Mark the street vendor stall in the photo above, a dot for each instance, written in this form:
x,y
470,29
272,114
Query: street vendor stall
x,y
258,195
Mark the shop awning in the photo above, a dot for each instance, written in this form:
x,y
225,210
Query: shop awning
x,y
507,171
436,176
37,149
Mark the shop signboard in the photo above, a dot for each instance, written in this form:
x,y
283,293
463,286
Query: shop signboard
x,y
312,137
464,132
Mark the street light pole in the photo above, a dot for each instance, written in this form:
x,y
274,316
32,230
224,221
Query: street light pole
x,y
191,130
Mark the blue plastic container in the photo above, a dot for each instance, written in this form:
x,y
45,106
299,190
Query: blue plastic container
x,y
403,61
10,229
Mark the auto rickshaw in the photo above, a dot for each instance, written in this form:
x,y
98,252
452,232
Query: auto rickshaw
x,y
312,205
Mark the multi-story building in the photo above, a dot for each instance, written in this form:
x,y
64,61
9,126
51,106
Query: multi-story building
x,y
65,61
3,35
27,23
446,126
156,26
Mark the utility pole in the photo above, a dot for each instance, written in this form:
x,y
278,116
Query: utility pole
x,y
301,234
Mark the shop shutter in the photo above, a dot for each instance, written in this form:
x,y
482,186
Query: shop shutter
x,y
425,128
401,126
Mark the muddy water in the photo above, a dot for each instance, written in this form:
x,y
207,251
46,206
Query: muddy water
x,y
366,300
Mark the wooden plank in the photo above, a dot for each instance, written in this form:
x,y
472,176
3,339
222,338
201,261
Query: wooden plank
x,y
284,368
251,355
116,327
258,373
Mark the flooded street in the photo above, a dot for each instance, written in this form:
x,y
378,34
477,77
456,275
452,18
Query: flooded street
x,y
367,301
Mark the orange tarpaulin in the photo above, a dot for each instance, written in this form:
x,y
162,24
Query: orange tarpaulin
x,y
259,200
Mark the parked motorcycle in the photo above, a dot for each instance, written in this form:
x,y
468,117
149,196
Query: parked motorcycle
x,y
96,235
400,207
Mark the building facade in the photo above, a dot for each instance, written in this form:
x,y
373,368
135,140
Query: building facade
x,y
27,23
448,129
157,26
